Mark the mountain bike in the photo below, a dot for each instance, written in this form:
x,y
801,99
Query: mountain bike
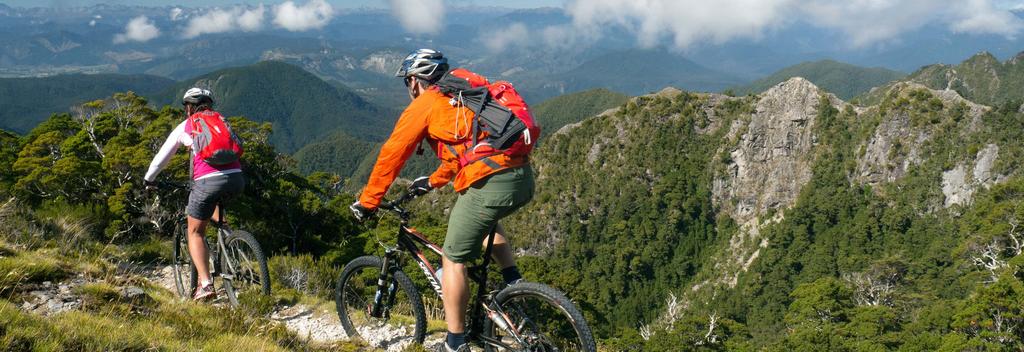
x,y
375,293
235,258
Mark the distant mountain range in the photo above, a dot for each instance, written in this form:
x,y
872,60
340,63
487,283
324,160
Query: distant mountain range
x,y
301,106
844,80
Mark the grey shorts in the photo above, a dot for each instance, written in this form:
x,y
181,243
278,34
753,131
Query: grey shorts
x,y
208,192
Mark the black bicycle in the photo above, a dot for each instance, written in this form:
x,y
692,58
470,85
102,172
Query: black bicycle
x,y
236,259
375,294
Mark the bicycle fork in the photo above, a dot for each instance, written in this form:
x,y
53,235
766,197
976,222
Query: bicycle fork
x,y
385,291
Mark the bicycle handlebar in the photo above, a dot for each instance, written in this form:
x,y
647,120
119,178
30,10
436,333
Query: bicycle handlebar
x,y
396,205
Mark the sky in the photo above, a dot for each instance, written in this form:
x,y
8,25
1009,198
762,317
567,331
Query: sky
x,y
336,3
677,23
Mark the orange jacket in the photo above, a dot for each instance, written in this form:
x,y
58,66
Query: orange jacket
x,y
431,116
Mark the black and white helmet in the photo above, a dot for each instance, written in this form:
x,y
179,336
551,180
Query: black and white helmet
x,y
426,64
197,96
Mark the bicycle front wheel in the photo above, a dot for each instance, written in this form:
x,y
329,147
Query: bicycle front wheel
x,y
401,311
243,266
185,275
538,318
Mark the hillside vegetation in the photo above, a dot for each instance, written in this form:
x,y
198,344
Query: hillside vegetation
x,y
844,80
788,220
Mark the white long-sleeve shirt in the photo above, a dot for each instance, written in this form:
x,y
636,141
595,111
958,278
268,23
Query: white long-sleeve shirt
x,y
178,137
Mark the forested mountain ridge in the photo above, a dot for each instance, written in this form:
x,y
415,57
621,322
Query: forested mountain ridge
x,y
28,101
786,220
981,78
301,106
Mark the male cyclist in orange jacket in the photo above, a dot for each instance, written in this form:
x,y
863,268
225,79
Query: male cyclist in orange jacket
x,y
489,189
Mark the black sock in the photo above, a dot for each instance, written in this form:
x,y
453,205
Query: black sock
x,y
456,339
511,274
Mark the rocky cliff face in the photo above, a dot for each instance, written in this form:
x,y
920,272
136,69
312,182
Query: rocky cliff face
x,y
772,153
896,144
770,163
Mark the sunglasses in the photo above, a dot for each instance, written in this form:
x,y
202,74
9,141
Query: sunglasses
x,y
408,81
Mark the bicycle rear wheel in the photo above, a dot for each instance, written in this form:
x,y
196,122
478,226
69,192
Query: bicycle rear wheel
x,y
185,275
543,318
243,266
402,313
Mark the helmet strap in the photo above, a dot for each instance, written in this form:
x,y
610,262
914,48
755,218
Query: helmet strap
x,y
415,87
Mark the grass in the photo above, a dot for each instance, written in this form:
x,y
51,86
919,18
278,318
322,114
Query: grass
x,y
28,268
157,321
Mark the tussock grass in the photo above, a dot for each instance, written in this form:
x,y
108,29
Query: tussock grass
x,y
28,268
232,342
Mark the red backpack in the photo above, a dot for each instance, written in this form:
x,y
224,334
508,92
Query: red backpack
x,y
500,111
213,140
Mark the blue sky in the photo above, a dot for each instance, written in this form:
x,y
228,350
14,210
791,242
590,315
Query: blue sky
x,y
337,3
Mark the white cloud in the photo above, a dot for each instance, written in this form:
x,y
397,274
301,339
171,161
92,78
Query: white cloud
x,y
229,20
251,20
684,22
863,22
514,35
980,16
870,21
419,16
314,14
176,13
139,29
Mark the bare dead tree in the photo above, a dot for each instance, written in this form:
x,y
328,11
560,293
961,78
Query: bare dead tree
x,y
645,332
711,337
988,257
87,114
1016,245
672,310
873,290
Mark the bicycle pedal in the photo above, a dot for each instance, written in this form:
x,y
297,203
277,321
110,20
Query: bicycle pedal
x,y
227,276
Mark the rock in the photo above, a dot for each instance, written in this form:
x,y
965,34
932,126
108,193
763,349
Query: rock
x,y
772,160
956,187
983,165
291,312
307,324
132,292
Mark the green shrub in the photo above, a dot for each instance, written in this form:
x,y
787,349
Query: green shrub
x,y
304,274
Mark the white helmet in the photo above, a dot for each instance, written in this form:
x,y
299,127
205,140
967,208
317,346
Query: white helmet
x,y
426,64
197,96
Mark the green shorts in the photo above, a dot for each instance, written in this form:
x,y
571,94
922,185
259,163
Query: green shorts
x,y
479,208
